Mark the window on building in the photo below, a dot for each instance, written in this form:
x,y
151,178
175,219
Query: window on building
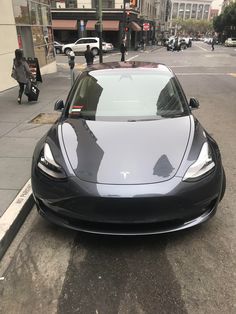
x,y
187,11
175,10
200,11
39,44
181,10
53,4
206,12
46,15
21,11
35,13
194,11
71,3
106,4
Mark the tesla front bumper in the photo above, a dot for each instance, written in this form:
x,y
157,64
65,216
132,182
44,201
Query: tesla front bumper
x,y
127,209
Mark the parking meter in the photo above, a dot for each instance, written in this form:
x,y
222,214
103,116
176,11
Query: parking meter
x,y
71,62
71,59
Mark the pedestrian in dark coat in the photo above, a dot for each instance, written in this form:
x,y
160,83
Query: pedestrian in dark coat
x,y
213,43
123,51
22,73
88,54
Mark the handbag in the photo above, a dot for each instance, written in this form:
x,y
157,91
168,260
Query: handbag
x,y
13,73
27,87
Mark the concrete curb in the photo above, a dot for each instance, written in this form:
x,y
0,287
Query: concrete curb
x,y
14,216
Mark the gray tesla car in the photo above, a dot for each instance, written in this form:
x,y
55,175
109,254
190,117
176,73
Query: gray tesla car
x,y
127,156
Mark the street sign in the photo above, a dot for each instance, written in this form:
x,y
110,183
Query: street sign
x,y
146,26
82,25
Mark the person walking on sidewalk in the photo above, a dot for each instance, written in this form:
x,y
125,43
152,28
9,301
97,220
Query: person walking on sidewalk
x,y
88,54
21,72
123,51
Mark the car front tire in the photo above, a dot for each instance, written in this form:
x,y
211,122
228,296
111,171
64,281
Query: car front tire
x,y
67,51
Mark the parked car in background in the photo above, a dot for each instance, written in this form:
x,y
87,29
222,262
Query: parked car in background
x,y
188,41
58,46
80,46
207,40
230,42
176,44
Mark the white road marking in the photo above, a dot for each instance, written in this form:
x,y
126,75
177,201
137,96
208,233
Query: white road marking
x,y
204,49
129,59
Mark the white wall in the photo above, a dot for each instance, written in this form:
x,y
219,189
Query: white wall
x,y
8,40
84,4
119,4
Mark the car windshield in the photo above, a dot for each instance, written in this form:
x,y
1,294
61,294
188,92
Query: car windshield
x,y
126,95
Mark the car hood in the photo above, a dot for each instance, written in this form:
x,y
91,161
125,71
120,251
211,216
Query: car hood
x,y
68,45
126,152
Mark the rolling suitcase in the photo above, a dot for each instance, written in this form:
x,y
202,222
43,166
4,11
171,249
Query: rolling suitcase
x,y
33,92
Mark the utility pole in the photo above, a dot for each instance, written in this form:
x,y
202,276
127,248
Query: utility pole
x,y
124,20
100,29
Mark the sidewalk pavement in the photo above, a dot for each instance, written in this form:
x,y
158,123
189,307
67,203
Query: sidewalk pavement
x,y
18,137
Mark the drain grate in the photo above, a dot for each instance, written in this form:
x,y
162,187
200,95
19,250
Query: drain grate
x,y
46,118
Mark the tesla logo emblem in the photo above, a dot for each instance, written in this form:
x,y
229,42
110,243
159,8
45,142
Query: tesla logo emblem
x,y
124,173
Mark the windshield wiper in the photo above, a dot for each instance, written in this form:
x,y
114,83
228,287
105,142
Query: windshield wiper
x,y
150,119
172,115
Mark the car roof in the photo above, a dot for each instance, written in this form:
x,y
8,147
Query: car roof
x,y
157,67
88,38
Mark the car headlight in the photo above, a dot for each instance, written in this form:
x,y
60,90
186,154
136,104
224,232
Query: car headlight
x,y
202,165
48,165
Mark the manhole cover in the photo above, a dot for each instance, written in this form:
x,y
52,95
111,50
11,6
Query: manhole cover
x,y
46,118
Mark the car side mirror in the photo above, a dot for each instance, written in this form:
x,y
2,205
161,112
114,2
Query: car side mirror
x,y
193,103
59,105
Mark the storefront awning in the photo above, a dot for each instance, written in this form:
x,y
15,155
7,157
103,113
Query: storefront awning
x,y
106,25
64,24
135,27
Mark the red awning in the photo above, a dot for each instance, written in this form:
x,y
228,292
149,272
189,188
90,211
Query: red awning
x,y
106,25
64,24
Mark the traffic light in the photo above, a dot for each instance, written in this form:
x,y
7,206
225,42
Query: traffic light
x,y
133,3
127,17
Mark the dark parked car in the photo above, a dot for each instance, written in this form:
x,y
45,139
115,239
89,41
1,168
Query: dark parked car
x,y
58,47
127,156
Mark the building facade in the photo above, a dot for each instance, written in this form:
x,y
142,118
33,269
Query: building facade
x,y
213,13
28,26
191,9
73,19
